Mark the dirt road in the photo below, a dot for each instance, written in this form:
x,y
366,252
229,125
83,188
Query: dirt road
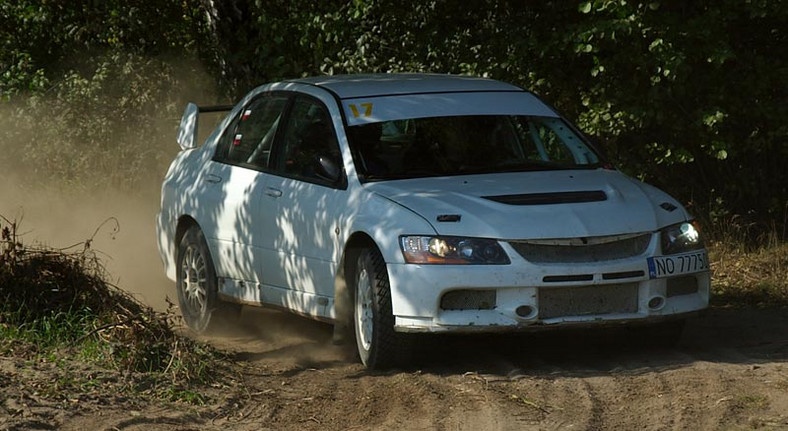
x,y
729,372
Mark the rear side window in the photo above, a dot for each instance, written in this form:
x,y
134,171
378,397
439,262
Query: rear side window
x,y
247,141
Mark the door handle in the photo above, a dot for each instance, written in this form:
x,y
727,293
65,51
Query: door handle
x,y
213,179
274,193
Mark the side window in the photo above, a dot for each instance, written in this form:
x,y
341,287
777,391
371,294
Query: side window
x,y
308,143
248,139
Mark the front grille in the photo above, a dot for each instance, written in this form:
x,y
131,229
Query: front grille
x,y
588,300
596,249
468,300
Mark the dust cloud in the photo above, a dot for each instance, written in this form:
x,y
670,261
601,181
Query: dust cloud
x,y
121,228
75,169
63,187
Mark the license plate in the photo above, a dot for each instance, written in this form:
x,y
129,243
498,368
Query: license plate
x,y
668,266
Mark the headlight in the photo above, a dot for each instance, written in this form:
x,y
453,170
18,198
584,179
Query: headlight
x,y
681,237
452,250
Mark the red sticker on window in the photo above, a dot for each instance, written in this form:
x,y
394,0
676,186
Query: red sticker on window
x,y
237,140
246,114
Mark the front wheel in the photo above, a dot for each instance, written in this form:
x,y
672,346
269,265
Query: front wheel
x,y
197,286
379,346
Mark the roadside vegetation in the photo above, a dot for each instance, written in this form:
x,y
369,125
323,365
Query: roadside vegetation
x,y
748,264
57,310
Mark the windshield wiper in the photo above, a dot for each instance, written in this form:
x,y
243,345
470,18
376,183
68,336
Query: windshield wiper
x,y
539,165
401,176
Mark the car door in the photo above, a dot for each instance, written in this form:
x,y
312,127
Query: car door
x,y
234,179
304,203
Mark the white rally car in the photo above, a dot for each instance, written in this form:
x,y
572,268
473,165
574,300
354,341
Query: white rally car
x,y
398,203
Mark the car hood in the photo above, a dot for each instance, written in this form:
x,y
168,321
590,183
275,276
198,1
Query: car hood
x,y
535,205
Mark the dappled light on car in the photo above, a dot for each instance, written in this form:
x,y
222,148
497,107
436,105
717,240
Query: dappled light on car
x,y
448,204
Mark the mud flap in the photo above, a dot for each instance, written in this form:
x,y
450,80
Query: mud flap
x,y
343,308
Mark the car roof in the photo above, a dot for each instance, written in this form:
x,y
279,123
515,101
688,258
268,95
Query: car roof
x,y
390,84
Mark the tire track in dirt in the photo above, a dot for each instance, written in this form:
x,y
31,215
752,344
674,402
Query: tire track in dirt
x,y
288,376
470,383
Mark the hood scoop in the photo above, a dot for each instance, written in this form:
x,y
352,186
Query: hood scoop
x,y
550,198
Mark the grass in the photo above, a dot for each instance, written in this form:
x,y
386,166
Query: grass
x,y
56,306
749,265
750,402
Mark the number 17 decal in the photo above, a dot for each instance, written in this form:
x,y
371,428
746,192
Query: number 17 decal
x,y
366,106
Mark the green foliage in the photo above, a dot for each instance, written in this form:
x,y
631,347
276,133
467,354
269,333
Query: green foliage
x,y
683,95
695,85
109,127
689,96
43,41
91,89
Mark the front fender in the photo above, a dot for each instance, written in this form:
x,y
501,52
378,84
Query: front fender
x,y
385,221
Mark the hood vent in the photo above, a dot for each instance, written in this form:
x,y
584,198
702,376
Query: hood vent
x,y
550,198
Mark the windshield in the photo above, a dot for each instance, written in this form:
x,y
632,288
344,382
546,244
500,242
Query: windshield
x,y
460,145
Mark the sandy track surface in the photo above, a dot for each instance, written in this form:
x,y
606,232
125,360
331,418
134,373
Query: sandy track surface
x,y
728,372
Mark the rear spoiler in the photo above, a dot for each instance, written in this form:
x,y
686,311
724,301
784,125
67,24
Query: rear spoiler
x,y
187,132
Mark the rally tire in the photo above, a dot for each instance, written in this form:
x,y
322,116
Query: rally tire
x,y
379,346
197,286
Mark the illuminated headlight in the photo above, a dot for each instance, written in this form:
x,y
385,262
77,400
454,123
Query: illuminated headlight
x,y
452,250
681,237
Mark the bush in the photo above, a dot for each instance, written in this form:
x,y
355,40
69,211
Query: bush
x,y
58,300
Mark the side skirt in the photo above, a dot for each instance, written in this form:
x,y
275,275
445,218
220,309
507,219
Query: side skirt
x,y
310,305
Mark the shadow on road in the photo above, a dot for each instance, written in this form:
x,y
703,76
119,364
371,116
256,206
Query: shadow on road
x,y
726,335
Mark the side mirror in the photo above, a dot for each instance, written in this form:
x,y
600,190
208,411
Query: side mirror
x,y
328,170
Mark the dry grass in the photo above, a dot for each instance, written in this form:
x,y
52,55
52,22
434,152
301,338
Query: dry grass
x,y
56,305
748,268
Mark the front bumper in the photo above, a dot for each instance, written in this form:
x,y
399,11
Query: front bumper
x,y
528,296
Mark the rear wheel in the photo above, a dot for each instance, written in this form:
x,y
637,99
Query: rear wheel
x,y
197,286
379,346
